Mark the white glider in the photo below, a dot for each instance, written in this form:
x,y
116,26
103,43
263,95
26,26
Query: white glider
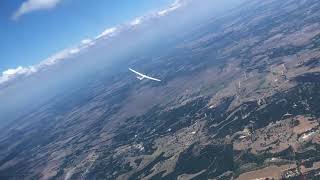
x,y
142,76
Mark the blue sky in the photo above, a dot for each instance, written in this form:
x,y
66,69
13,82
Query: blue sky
x,y
38,34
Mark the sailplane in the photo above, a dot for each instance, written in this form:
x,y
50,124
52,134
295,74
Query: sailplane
x,y
141,76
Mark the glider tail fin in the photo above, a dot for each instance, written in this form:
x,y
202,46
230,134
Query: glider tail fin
x,y
140,77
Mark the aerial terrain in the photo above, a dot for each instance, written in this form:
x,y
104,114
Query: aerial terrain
x,y
239,98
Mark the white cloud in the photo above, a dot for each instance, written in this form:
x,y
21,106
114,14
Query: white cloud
x,y
34,5
136,21
74,51
107,32
12,73
86,41
174,6
66,53
166,11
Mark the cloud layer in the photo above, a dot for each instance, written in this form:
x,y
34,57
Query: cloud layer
x,y
12,73
34,5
